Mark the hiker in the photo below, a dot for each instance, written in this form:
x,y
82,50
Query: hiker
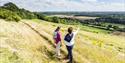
x,y
69,41
57,40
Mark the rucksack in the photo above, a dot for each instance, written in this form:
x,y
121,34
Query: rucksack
x,y
68,38
55,35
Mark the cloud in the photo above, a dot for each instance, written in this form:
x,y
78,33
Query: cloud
x,y
89,0
67,5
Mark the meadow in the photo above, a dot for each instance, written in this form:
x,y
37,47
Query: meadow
x,y
30,41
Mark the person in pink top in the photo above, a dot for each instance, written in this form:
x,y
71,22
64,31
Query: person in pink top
x,y
57,40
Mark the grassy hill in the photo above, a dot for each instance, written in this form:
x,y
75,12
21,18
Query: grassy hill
x,y
11,12
30,41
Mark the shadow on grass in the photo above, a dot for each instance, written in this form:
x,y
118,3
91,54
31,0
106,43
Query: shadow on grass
x,y
49,54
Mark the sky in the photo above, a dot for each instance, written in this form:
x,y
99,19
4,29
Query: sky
x,y
69,5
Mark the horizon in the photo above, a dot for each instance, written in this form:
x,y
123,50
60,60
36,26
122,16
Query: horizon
x,y
69,5
81,11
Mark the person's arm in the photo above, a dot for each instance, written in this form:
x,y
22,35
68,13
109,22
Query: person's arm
x,y
76,31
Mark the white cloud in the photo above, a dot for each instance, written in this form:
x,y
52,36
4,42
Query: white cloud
x,y
89,0
67,5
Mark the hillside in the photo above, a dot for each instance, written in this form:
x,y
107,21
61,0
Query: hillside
x,y
11,12
30,41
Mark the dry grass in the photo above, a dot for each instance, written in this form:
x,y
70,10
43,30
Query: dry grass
x,y
31,42
29,46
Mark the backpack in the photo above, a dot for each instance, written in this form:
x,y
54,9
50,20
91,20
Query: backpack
x,y
68,38
55,35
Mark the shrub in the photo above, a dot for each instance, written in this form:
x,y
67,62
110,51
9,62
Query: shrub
x,y
55,19
109,26
116,28
9,15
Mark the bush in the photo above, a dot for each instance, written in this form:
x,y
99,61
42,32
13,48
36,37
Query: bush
x,y
109,26
40,16
25,14
9,15
116,28
55,19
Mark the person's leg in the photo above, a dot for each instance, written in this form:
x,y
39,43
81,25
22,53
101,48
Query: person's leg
x,y
58,49
67,57
70,54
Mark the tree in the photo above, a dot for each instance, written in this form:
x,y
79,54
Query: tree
x,y
25,14
55,19
109,26
10,6
9,15
116,28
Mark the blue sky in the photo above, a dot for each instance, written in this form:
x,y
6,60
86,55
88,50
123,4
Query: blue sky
x,y
69,5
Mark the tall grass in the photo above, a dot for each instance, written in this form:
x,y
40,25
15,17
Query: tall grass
x,y
34,44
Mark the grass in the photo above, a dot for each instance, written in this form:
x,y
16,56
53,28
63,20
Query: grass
x,y
94,30
33,43
101,40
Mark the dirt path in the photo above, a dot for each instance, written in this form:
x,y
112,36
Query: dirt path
x,y
26,42
46,36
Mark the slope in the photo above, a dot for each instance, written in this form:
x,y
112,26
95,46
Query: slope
x,y
30,41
